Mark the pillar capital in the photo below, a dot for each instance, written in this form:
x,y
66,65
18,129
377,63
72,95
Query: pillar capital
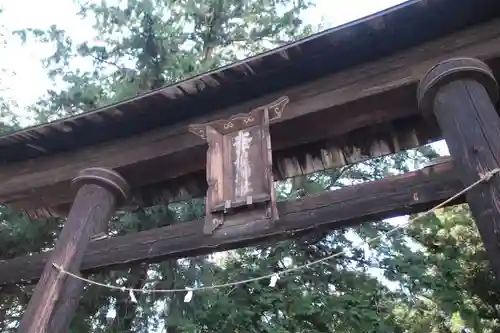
x,y
451,70
105,178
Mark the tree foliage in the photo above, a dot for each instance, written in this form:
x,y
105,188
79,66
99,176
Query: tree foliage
x,y
8,119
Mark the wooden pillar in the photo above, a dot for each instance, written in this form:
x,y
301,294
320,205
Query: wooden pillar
x,y
66,306
461,94
71,294
99,193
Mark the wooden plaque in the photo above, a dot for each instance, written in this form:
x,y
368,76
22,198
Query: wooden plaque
x,y
239,167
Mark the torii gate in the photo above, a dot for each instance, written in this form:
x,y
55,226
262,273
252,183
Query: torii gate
x,y
459,92
307,107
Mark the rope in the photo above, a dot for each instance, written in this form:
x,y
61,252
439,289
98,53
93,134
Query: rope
x,y
483,178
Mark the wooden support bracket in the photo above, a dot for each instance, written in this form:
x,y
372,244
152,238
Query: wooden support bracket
x,y
239,167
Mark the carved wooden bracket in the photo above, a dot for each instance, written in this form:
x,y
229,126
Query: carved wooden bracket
x,y
239,167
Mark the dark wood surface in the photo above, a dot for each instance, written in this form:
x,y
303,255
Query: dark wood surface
x,y
471,127
332,152
93,206
66,306
360,97
392,196
71,294
239,167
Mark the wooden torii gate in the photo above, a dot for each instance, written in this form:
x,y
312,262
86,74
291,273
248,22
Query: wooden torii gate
x,y
271,117
458,92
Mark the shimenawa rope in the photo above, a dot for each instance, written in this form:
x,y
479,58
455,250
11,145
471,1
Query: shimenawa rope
x,y
275,275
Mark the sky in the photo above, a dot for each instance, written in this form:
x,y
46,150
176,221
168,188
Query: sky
x,y
30,81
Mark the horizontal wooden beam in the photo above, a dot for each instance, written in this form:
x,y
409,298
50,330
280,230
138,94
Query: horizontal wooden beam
x,y
319,112
334,152
377,92
407,193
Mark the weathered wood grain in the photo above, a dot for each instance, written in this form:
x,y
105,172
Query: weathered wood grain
x,y
376,92
461,93
333,152
407,193
239,164
93,207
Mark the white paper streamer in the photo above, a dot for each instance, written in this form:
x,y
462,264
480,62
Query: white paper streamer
x,y
189,295
274,279
132,296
